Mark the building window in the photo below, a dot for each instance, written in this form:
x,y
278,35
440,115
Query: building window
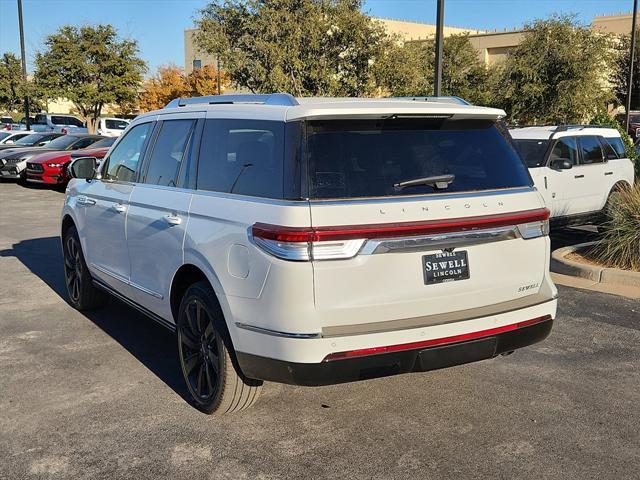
x,y
197,64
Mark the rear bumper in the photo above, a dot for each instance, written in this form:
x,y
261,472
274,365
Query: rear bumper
x,y
393,363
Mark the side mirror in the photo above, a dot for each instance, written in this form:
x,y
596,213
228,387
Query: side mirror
x,y
83,167
561,164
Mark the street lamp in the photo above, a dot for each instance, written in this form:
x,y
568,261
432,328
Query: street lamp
x,y
437,81
631,61
24,67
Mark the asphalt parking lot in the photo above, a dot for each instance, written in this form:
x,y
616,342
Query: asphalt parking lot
x,y
101,396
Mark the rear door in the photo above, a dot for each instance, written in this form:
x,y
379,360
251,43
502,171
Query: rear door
x,y
158,213
591,173
425,250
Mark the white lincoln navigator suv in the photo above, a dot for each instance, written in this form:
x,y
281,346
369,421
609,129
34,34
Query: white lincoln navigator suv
x,y
313,241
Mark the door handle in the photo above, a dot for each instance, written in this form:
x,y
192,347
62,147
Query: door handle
x,y
82,200
608,173
578,176
119,207
172,219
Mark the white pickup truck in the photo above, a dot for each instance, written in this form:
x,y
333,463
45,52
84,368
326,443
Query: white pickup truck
x,y
576,168
51,122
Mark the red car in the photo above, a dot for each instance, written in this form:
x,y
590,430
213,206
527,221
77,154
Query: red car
x,y
51,167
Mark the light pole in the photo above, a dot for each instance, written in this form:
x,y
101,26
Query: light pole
x,y
437,81
24,67
632,55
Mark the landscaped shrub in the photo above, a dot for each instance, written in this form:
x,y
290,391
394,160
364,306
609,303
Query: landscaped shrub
x,y
620,243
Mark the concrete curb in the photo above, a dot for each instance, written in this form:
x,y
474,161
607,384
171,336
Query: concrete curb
x,y
614,276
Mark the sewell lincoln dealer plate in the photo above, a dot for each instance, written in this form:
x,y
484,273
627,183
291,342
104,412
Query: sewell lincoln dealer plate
x,y
445,267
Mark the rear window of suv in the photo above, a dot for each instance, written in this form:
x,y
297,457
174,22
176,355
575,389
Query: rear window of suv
x,y
368,158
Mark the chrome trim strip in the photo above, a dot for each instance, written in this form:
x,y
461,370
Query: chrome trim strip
x,y
425,197
165,323
122,279
438,319
276,333
430,242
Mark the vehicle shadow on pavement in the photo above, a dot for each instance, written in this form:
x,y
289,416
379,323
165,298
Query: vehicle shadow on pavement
x,y
153,345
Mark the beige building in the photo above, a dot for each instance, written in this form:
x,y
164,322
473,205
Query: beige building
x,y
619,24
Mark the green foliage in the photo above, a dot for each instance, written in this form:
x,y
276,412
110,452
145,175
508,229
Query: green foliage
x,y
620,244
620,71
463,74
11,84
555,74
91,67
307,47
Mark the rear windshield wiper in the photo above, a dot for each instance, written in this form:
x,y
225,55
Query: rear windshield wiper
x,y
439,182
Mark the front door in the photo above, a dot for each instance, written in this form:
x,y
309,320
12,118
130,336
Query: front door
x,y
564,187
106,204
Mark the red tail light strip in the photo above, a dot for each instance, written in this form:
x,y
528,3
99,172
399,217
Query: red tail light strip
x,y
435,342
388,230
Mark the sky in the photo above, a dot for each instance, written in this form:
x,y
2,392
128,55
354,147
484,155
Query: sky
x,y
158,25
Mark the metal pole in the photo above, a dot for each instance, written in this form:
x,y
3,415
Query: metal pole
x,y
437,81
24,66
632,54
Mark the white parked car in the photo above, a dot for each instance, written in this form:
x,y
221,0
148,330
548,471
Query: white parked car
x,y
577,169
112,127
9,137
313,242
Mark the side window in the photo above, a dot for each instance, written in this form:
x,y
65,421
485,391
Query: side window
x,y
168,152
591,150
565,149
243,157
85,142
123,160
609,152
617,145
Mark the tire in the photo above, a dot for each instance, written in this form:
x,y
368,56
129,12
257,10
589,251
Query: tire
x,y
215,383
613,197
82,293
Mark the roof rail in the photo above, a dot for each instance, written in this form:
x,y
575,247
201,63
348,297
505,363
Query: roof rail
x,y
284,99
441,99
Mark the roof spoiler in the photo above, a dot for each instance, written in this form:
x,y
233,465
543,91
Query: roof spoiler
x,y
282,99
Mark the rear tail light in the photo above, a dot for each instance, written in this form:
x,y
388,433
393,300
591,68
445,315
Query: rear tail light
x,y
343,242
63,131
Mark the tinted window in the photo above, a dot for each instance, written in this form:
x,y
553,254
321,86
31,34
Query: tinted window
x,y
115,124
242,156
169,151
40,119
123,160
618,146
609,152
565,149
4,135
591,150
6,120
105,142
33,139
62,120
62,143
84,143
365,158
532,151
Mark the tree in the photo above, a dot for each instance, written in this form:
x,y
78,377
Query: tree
x,y
410,69
91,67
165,85
12,87
555,74
620,72
329,47
170,82
204,81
